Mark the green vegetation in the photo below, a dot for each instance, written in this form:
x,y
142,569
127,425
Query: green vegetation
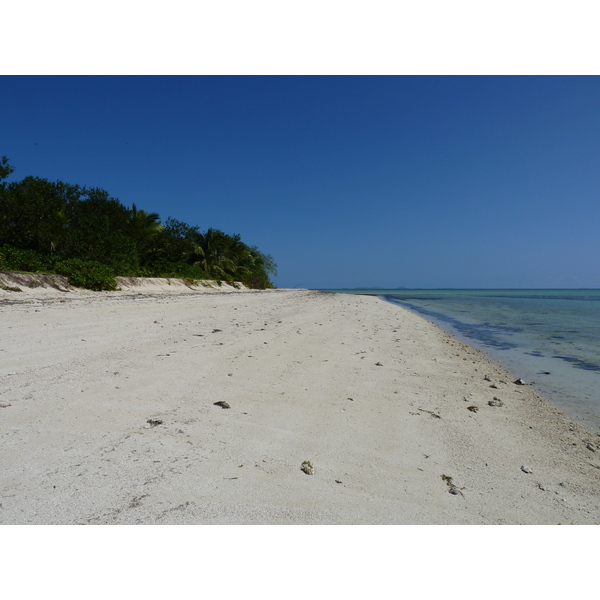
x,y
87,274
91,237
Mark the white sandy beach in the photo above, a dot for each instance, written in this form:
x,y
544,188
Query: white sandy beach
x,y
108,415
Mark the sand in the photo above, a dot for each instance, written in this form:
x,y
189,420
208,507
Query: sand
x,y
108,415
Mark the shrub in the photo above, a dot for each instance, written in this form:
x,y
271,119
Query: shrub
x,y
16,259
88,274
258,281
184,271
163,268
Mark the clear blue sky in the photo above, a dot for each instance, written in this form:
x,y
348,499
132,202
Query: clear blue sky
x,y
395,181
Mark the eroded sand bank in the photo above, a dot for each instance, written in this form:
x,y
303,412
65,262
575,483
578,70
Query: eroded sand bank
x,y
376,398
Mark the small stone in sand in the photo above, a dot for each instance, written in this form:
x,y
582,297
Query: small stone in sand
x,y
452,488
526,469
154,422
222,404
307,467
378,364
472,408
495,402
519,382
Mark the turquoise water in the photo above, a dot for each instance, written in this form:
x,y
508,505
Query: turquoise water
x,y
549,337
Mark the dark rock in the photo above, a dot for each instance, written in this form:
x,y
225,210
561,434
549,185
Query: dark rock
x,y
495,402
307,467
519,382
222,404
452,488
473,408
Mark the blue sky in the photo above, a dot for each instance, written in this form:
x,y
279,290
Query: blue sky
x,y
393,181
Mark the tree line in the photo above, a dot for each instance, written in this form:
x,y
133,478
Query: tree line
x,y
88,235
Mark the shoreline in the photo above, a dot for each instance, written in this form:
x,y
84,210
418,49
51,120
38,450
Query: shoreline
x,y
586,418
569,382
377,398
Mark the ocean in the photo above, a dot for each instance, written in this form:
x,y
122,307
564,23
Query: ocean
x,y
549,338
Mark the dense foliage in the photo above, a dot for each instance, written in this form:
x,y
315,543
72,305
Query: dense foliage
x,y
91,237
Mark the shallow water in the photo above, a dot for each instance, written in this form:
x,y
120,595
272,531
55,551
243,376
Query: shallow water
x,y
550,337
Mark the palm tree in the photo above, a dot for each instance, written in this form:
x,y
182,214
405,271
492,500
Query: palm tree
x,y
147,223
211,248
144,228
241,257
